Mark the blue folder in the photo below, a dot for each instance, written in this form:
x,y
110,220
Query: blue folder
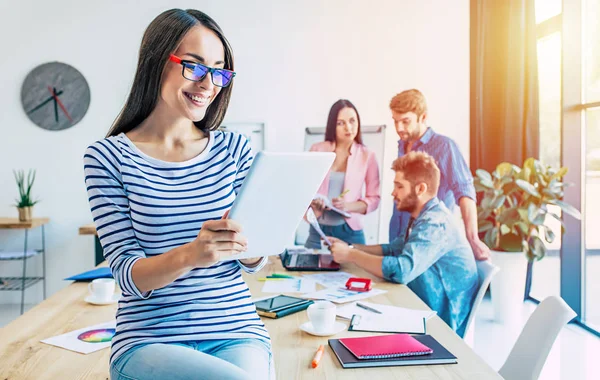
x,y
93,274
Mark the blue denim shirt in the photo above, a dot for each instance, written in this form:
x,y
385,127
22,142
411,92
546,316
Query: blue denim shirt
x,y
437,263
456,180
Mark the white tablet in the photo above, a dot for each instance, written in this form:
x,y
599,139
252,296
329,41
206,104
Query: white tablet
x,y
274,197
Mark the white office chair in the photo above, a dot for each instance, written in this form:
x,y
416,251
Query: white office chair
x,y
528,355
486,271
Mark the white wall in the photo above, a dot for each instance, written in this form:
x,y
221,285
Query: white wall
x,y
294,59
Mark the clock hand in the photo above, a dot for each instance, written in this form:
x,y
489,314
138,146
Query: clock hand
x,y
55,105
62,107
44,102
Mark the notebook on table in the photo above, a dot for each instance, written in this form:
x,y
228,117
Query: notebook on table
x,y
401,353
385,346
280,306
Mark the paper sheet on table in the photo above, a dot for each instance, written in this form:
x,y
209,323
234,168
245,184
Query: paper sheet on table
x,y
85,340
289,285
383,323
342,295
330,279
347,311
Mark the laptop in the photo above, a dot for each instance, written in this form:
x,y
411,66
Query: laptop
x,y
308,262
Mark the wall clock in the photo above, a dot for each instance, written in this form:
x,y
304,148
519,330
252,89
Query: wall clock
x,y
55,96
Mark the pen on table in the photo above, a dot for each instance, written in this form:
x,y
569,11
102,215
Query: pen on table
x,y
368,308
277,275
318,356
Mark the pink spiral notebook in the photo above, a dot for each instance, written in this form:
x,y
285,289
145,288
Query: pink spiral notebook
x,y
385,346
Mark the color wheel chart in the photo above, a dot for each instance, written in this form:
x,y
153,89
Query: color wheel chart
x,y
97,336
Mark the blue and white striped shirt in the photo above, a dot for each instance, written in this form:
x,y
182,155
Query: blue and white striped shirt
x,y
456,180
143,207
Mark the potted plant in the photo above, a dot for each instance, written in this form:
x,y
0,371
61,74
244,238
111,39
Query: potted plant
x,y
513,220
25,202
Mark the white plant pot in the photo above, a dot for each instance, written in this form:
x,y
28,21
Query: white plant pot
x,y
508,286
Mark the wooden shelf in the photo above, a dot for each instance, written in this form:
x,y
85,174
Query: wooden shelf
x,y
14,223
88,229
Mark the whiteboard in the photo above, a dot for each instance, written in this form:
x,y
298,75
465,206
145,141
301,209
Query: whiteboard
x,y
255,132
374,139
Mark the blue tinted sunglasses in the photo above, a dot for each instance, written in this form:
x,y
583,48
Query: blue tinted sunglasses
x,y
196,72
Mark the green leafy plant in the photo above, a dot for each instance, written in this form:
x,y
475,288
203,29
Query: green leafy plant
x,y
515,203
25,199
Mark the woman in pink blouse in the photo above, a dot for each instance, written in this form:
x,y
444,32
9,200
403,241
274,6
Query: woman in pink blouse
x,y
352,184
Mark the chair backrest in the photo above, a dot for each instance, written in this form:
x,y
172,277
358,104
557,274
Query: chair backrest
x,y
528,355
486,271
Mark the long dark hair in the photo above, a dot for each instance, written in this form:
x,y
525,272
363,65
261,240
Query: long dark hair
x,y
332,120
161,38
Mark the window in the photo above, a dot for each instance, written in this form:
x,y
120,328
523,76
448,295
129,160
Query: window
x,y
568,41
546,273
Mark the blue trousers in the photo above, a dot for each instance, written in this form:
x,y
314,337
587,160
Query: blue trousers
x,y
210,359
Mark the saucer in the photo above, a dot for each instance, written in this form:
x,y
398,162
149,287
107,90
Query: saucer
x,y
337,327
94,301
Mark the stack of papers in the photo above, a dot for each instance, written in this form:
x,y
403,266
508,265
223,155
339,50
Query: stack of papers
x,y
347,311
342,295
383,323
385,318
330,279
289,285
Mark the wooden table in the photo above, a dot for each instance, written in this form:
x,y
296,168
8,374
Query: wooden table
x,y
90,229
23,282
22,356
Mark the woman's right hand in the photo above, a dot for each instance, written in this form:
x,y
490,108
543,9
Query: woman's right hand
x,y
217,240
318,206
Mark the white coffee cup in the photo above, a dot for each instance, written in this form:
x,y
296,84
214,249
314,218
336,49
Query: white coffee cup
x,y
322,316
102,289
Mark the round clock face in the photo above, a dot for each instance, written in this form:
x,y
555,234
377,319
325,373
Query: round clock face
x,y
55,96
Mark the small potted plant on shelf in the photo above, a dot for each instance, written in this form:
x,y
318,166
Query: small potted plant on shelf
x,y
25,203
513,215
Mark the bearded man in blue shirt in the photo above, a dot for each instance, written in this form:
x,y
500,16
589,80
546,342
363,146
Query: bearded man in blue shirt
x,y
432,257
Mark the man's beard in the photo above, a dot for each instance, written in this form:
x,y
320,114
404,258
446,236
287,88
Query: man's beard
x,y
410,203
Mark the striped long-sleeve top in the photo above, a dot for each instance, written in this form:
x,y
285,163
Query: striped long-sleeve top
x,y
143,207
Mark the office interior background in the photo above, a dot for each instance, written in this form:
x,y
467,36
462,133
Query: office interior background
x,y
294,59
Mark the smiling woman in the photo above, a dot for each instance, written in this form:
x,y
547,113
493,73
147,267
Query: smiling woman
x,y
159,188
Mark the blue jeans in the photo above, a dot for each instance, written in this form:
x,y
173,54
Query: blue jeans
x,y
209,359
343,232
